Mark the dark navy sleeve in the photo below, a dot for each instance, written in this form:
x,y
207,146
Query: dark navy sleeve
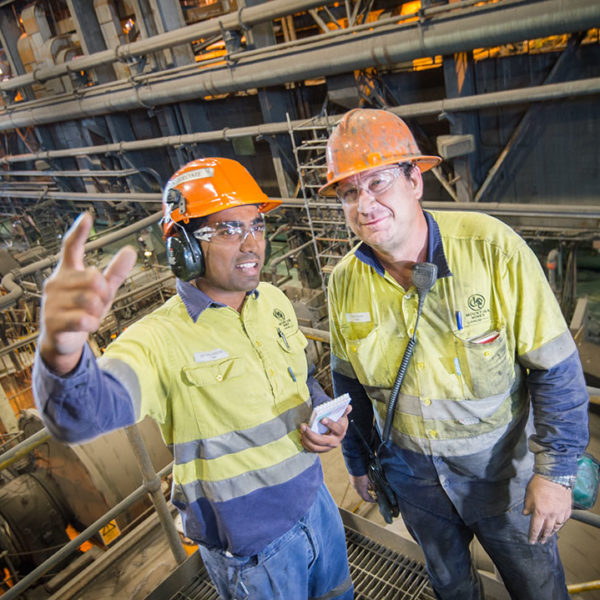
x,y
360,429
317,393
83,405
560,410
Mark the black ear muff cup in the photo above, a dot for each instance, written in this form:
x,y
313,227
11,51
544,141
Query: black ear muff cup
x,y
184,256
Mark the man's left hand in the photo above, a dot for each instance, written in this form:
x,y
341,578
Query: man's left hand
x,y
549,505
315,442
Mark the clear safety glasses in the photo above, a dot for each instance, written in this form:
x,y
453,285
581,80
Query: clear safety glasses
x,y
374,184
231,231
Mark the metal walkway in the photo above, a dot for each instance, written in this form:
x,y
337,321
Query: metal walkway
x,y
378,573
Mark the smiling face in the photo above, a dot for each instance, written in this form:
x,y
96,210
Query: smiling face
x,y
391,222
232,266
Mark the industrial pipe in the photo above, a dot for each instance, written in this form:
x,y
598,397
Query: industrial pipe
x,y
540,93
241,19
515,23
15,291
25,447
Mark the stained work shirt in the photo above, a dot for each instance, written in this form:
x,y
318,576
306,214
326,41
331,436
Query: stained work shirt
x,y
495,389
228,390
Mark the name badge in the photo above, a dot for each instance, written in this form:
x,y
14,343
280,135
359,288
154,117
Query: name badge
x,y
362,317
215,354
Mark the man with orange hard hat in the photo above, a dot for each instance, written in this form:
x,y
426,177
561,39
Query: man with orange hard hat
x,y
449,340
221,367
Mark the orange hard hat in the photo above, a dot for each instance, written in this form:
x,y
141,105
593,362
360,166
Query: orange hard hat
x,y
366,138
206,186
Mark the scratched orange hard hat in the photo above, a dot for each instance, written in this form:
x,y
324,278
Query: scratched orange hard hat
x,y
366,138
206,186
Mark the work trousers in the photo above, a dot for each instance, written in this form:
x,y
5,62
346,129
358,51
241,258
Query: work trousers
x,y
528,571
307,562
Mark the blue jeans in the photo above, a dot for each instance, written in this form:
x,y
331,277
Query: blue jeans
x,y
308,561
529,571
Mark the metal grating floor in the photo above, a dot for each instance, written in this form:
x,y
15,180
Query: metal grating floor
x,y
378,573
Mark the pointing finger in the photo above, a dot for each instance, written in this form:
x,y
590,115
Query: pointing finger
x,y
119,268
72,252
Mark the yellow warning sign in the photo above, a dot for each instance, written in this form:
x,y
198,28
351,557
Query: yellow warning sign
x,y
110,532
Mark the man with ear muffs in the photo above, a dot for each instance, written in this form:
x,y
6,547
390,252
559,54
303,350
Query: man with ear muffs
x,y
221,367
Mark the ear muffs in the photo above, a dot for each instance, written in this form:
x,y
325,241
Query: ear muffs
x,y
184,256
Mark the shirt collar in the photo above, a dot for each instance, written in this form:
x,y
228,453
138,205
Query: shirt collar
x,y
435,251
196,301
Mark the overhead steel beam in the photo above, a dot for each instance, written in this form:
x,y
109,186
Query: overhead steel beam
x,y
554,211
555,91
446,35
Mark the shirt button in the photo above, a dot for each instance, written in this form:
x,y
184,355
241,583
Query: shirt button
x,y
271,372
258,343
420,366
432,433
219,377
353,348
426,401
411,331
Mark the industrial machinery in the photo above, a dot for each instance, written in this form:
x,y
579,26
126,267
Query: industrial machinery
x,y
102,100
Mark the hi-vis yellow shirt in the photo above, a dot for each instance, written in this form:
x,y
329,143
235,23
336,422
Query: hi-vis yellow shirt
x,y
229,394
464,387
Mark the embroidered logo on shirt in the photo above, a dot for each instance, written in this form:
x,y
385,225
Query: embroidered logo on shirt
x,y
476,302
281,317
215,354
478,312
361,317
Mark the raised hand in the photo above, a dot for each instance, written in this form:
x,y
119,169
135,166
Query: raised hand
x,y
76,298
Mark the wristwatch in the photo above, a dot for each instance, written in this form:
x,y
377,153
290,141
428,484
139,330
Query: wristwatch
x,y
567,481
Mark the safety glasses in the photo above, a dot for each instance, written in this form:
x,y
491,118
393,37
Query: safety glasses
x,y
232,231
374,184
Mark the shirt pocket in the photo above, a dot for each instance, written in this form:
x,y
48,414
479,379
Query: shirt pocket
x,y
367,356
292,342
220,396
485,367
214,372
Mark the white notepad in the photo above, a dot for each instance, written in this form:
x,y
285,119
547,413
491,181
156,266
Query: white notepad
x,y
333,410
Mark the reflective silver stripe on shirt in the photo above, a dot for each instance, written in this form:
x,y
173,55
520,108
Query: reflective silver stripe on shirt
x,y
550,354
236,441
235,487
127,377
454,447
342,366
442,409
